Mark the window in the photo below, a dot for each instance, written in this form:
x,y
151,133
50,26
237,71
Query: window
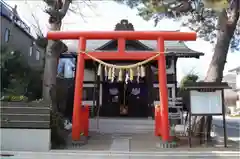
x,y
6,35
37,55
30,50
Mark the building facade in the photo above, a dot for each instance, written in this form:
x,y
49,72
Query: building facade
x,y
237,89
16,36
138,98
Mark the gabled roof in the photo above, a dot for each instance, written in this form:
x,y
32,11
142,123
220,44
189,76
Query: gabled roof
x,y
136,44
237,69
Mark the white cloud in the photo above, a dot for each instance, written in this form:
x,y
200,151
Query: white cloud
x,y
105,14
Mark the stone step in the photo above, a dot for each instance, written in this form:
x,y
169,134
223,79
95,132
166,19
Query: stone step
x,y
145,121
122,125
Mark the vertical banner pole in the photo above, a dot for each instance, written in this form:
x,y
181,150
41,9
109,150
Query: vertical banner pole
x,y
224,119
163,91
77,121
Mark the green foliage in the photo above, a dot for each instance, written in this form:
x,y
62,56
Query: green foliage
x,y
18,79
190,78
14,72
14,98
191,13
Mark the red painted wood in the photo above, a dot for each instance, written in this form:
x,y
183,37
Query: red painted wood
x,y
86,120
157,121
121,47
77,127
163,91
121,56
127,35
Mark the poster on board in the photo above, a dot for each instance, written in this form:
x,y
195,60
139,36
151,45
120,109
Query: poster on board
x,y
206,102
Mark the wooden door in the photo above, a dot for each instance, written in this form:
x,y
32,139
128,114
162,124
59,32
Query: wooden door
x,y
112,97
137,99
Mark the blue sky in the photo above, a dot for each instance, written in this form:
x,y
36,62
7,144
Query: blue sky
x,y
103,15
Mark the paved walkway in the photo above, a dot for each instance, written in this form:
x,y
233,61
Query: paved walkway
x,y
107,146
120,144
125,155
128,146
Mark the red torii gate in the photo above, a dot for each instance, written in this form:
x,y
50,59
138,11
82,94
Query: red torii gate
x,y
121,54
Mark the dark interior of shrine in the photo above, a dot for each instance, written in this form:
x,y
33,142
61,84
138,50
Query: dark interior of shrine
x,y
121,99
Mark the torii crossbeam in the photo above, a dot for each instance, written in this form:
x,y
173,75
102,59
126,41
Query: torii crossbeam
x,y
121,54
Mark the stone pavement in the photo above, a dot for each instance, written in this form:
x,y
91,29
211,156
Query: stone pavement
x,y
66,154
137,142
107,146
129,146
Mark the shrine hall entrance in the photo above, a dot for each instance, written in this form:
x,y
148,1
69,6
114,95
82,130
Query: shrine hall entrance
x,y
122,99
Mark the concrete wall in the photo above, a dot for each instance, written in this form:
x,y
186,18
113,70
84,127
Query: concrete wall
x,y
25,139
25,126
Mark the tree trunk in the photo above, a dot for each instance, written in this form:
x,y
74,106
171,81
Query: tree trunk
x,y
51,62
57,12
216,67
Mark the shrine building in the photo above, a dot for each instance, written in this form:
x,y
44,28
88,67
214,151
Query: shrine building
x,y
135,98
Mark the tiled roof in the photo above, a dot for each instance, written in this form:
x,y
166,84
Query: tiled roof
x,y
231,80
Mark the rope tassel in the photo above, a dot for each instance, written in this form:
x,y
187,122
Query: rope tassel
x,y
109,73
138,74
142,71
120,75
131,74
127,78
99,70
105,71
113,74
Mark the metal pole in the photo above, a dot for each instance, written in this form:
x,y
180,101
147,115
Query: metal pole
x,y
224,120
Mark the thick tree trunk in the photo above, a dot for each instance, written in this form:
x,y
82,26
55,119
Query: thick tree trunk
x,y
57,11
51,61
216,67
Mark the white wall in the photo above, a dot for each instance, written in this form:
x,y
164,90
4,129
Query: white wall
x,y
238,80
238,87
89,75
25,139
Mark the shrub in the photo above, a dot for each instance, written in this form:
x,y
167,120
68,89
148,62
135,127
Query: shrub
x,y
58,138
